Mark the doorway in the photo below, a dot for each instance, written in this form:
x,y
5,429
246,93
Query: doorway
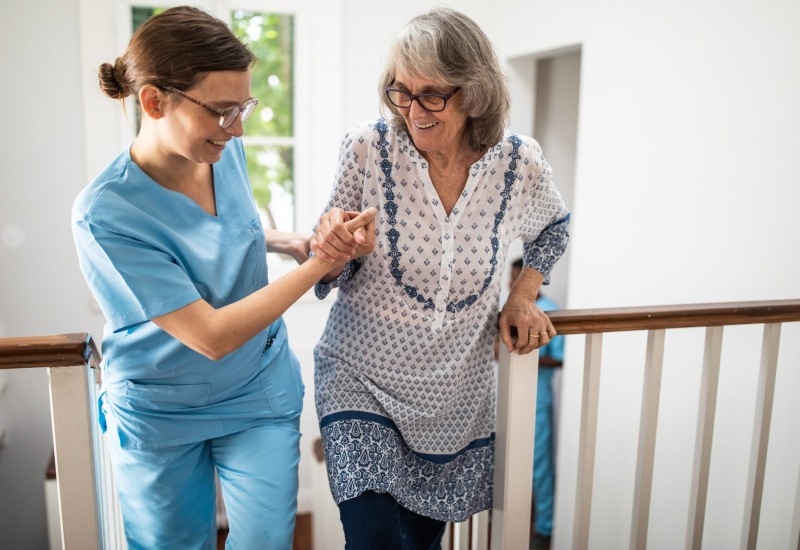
x,y
545,94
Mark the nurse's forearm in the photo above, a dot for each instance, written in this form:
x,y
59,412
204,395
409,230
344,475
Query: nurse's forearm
x,y
217,332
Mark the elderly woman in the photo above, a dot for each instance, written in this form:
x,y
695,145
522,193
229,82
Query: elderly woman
x,y
405,386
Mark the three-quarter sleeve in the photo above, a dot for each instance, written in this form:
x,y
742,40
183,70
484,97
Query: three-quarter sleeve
x,y
347,194
543,247
543,253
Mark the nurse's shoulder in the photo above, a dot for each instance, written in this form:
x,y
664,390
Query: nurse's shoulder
x,y
112,191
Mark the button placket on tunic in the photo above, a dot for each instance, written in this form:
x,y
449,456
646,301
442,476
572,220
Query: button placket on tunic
x,y
447,223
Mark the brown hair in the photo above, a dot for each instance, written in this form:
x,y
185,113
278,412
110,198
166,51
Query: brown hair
x,y
177,48
447,46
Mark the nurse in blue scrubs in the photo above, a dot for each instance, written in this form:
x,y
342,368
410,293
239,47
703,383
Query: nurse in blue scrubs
x,y
197,373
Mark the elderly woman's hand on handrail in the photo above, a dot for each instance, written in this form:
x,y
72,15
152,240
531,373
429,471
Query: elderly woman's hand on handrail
x,y
534,329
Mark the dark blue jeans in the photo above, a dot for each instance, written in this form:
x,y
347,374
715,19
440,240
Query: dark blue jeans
x,y
375,521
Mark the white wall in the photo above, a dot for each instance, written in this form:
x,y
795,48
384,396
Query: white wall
x,y
686,191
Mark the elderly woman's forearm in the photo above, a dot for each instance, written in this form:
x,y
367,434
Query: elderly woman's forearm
x,y
332,275
528,283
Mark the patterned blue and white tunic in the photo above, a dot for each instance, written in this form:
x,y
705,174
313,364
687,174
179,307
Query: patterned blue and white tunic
x,y
405,380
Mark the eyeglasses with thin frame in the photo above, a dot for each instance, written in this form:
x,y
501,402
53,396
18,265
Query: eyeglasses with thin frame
x,y
434,103
228,115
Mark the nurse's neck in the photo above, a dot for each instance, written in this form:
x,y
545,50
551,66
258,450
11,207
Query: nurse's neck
x,y
169,168
175,172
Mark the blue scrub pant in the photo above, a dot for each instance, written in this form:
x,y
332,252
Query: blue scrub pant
x,y
168,495
543,467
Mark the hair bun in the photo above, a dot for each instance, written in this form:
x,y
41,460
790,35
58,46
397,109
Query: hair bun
x,y
112,79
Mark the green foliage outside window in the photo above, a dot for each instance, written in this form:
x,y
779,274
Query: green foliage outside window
x,y
140,15
270,37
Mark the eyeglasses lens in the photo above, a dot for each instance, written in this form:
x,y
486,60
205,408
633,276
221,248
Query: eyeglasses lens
x,y
229,115
433,103
249,107
399,99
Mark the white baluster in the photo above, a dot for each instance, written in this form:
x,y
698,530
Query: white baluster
x,y
709,381
112,532
72,438
461,531
648,425
480,531
760,441
587,441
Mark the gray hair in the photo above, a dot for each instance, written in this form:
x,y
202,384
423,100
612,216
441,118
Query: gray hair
x,y
447,46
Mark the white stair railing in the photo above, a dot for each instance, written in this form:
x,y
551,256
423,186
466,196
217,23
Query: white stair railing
x,y
593,323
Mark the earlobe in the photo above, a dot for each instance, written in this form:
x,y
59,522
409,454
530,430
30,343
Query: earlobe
x,y
151,99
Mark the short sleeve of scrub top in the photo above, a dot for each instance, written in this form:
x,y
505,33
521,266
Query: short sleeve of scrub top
x,y
134,280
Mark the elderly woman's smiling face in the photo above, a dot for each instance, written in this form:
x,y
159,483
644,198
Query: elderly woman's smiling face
x,y
439,133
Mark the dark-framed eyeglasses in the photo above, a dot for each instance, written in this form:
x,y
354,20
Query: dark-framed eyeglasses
x,y
228,115
430,102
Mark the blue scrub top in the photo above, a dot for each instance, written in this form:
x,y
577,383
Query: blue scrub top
x,y
146,251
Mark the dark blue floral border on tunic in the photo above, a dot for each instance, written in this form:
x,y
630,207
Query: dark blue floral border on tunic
x,y
365,452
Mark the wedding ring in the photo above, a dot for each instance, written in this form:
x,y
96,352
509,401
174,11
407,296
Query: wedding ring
x,y
533,335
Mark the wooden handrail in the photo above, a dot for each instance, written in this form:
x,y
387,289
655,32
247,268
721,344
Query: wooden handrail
x,y
589,321
79,348
64,350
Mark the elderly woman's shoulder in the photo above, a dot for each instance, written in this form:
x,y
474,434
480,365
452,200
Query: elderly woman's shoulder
x,y
372,130
372,126
518,144
513,139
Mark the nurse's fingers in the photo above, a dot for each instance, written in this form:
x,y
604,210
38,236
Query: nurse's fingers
x,y
318,250
367,233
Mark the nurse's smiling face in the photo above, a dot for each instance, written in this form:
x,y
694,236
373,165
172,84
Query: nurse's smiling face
x,y
433,133
193,131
